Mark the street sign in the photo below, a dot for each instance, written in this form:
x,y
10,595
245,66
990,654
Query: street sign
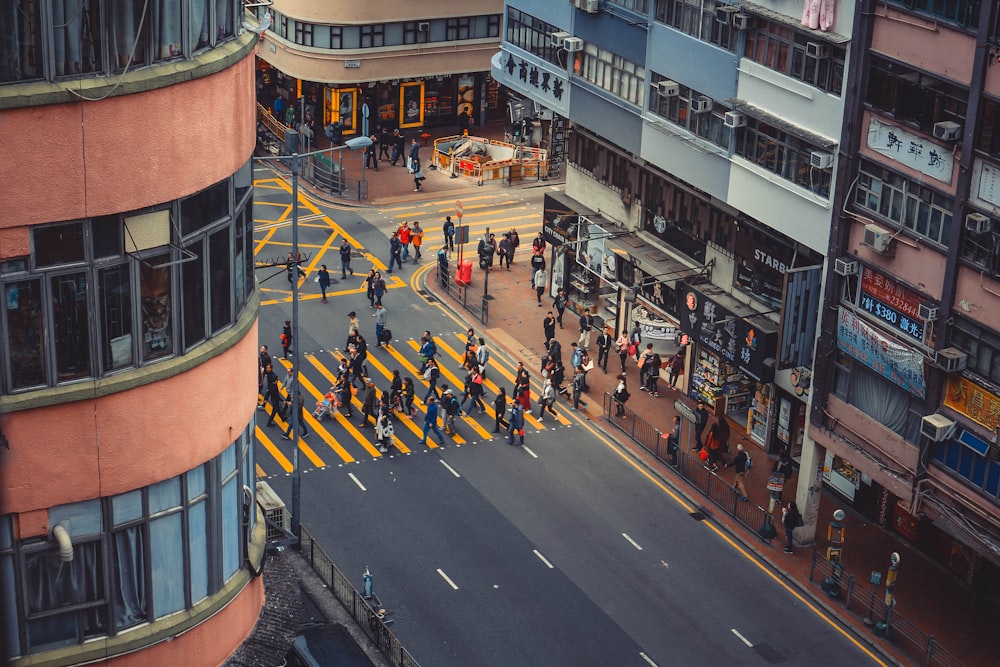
x,y
462,234
459,209
685,411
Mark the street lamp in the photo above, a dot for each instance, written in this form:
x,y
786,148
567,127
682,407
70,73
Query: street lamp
x,y
356,143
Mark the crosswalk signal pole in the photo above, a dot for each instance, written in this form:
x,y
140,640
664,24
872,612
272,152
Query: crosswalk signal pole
x,y
293,424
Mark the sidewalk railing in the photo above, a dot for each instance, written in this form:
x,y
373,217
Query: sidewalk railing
x,y
367,618
868,604
753,517
474,302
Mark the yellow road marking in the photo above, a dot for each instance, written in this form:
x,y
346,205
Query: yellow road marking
x,y
340,418
458,387
259,471
273,450
417,431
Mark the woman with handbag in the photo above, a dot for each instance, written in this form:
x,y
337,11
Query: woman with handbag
x,y
791,519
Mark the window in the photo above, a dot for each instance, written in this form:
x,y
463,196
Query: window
x,y
25,333
21,42
903,202
336,37
193,286
534,36
641,6
987,136
70,325
983,248
219,280
878,398
677,109
912,96
372,36
303,33
204,208
782,153
457,28
155,293
963,12
698,18
413,34
982,346
58,244
611,72
797,54
116,316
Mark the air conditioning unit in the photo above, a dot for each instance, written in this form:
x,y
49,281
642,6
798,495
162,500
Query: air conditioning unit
x,y
668,88
947,131
274,511
937,427
978,223
845,266
816,50
951,360
743,21
820,160
735,119
701,104
556,39
724,13
573,44
877,238
423,26
928,312
589,6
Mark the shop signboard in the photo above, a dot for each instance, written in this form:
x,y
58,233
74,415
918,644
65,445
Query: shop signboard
x,y
741,343
973,401
910,149
535,78
900,364
893,305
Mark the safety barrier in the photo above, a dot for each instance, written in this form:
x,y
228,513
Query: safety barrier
x,y
526,161
370,620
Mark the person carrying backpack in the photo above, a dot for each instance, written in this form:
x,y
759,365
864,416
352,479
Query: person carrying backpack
x,y
452,410
741,462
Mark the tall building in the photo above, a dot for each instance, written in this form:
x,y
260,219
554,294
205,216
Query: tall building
x,y
128,530
908,405
378,63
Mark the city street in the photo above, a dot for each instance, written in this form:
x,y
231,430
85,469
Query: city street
x,y
564,551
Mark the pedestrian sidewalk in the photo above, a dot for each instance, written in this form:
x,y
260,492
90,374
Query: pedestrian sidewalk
x,y
927,595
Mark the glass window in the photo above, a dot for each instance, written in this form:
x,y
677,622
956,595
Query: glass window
x,y
372,35
8,607
76,34
155,292
220,279
25,333
128,585
193,273
198,551
531,34
106,236
52,585
204,208
115,286
165,495
913,96
227,463
71,325
126,40
231,520
783,154
697,18
906,204
962,12
126,507
166,547
58,244
21,41
797,54
195,482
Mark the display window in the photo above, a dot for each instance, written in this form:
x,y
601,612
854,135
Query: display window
x,y
411,101
341,105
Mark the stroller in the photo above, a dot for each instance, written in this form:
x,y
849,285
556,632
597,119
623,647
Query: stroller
x,y
327,406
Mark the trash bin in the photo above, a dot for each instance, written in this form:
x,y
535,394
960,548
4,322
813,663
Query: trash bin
x,y
464,275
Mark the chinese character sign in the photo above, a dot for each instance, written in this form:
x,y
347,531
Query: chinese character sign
x,y
912,150
901,365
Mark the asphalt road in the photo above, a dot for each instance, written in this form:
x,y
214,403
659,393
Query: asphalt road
x,y
565,552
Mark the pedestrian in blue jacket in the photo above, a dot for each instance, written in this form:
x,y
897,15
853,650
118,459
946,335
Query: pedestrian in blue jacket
x,y
430,421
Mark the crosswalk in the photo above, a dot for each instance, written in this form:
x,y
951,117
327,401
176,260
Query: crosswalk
x,y
338,440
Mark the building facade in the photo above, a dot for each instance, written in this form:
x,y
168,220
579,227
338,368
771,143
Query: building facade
x,y
345,63
128,526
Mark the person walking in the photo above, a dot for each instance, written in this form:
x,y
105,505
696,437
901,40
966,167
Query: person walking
x,y
428,351
409,395
452,408
586,327
371,154
384,143
418,175
645,366
413,161
378,288
352,323
700,422
286,339
404,239
791,519
303,429
384,430
549,328
560,305
398,145
621,347
272,393
741,463
264,362
432,374
505,250
380,320
448,229
345,259
780,474
499,405
675,368
475,391
673,440
323,278
430,419
540,282
652,368
291,266
395,250
369,292
482,357
515,241
368,405
547,400
538,244
579,381
417,238
537,264
713,443
604,343
515,425
621,395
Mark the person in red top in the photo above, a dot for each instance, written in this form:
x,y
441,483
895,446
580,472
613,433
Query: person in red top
x,y
404,238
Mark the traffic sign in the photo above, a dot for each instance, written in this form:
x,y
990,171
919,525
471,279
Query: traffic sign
x,y
462,234
685,411
459,209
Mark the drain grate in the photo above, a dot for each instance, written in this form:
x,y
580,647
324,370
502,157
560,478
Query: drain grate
x,y
698,516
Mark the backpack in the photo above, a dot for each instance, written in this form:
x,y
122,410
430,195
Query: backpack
x,y
749,463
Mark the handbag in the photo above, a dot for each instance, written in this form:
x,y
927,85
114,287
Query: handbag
x,y
632,349
776,482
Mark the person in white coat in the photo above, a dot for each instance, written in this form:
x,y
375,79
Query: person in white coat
x,y
540,281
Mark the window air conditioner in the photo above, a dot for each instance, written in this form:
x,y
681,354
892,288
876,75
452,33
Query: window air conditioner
x,y
951,360
928,312
735,119
947,131
573,44
589,6
937,427
845,266
877,238
701,104
978,223
743,21
556,39
816,50
724,13
424,26
668,88
820,160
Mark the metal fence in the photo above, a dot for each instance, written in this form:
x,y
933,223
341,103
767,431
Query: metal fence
x,y
722,494
868,603
367,617
472,300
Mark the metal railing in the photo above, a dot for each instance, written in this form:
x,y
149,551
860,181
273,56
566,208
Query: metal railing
x,y
751,516
887,623
473,301
368,618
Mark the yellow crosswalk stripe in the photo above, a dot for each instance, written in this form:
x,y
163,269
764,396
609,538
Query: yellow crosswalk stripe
x,y
273,450
339,418
260,471
417,431
360,406
303,445
457,387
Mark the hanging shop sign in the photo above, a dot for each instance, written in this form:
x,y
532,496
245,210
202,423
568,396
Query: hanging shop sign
x,y
973,401
911,150
594,255
749,347
559,221
892,304
539,80
902,365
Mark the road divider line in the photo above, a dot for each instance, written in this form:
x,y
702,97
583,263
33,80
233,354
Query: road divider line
x,y
533,455
450,469
543,559
632,542
742,638
648,660
447,578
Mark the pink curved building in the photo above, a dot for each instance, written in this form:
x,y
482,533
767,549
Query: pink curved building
x,y
128,529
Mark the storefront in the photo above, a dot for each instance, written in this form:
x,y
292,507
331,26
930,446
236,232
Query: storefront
x,y
732,364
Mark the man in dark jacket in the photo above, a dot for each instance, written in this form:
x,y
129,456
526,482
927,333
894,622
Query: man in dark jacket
x,y
700,422
604,343
370,404
549,325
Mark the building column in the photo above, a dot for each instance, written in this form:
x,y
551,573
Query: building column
x,y
809,489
